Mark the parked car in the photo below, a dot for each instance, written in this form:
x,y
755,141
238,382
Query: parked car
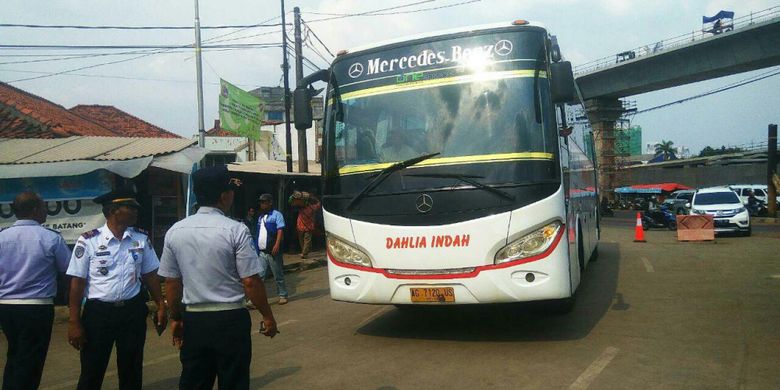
x,y
728,212
679,202
759,190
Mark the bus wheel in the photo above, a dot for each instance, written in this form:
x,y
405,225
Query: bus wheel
x,y
561,306
580,250
595,255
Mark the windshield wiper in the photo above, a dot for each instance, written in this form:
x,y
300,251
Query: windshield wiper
x,y
468,179
384,174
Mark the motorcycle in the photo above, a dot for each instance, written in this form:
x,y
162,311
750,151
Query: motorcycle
x,y
661,218
757,209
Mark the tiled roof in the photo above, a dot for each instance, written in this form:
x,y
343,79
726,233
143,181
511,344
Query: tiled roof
x,y
24,115
120,122
29,151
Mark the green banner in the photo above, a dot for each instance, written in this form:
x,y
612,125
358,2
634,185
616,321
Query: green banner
x,y
239,111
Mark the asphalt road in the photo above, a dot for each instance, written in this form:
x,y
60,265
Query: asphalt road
x,y
660,314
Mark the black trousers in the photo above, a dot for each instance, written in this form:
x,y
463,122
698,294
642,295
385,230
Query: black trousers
x,y
106,324
28,331
216,345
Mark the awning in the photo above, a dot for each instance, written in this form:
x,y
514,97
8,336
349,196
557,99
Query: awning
x,y
273,167
126,157
651,188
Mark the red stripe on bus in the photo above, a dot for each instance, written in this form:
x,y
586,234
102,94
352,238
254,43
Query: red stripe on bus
x,y
464,275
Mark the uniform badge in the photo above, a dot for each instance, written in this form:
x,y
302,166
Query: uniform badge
x,y
79,252
136,244
103,261
135,255
102,247
103,270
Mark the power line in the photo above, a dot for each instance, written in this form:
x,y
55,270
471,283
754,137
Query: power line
x,y
712,92
378,13
120,47
309,30
376,10
146,54
82,27
91,75
92,66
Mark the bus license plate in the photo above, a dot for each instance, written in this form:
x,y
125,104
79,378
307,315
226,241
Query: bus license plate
x,y
438,294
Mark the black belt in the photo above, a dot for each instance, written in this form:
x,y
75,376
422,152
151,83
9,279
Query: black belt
x,y
115,304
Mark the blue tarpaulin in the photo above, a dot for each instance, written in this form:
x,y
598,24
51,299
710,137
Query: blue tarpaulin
x,y
719,15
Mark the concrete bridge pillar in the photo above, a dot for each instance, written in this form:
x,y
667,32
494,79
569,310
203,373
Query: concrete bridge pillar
x,y
602,114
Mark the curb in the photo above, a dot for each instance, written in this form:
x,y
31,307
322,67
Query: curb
x,y
765,220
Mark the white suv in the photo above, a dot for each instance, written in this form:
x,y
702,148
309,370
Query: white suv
x,y
759,190
724,205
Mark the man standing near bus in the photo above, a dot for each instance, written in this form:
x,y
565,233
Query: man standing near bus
x,y
210,266
31,258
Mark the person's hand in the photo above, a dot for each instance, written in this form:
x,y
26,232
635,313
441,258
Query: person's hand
x,y
268,327
177,332
275,249
76,335
160,320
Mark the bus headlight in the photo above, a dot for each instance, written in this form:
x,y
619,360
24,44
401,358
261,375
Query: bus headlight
x,y
345,253
529,245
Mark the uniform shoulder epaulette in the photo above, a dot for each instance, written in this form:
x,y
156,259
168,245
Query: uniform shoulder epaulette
x,y
91,233
52,230
142,231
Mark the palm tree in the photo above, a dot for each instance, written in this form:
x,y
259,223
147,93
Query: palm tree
x,y
666,149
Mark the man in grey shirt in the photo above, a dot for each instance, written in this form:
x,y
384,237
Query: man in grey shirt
x,y
210,262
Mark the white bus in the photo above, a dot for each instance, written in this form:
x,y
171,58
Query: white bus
x,y
450,173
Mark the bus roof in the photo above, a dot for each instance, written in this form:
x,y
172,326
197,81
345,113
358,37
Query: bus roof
x,y
438,33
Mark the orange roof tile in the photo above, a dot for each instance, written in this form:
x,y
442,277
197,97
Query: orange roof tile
x,y
24,115
120,122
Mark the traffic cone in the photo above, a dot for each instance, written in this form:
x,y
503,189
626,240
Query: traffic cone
x,y
639,232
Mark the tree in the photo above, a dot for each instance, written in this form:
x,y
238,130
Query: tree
x,y
710,151
666,149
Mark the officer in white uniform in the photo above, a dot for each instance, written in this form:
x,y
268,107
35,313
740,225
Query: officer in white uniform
x,y
210,266
108,266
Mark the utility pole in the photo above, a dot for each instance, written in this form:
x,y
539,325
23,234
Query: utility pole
x,y
199,70
771,170
285,76
303,156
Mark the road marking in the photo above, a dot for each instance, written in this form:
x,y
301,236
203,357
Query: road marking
x,y
72,383
589,375
648,266
285,323
372,316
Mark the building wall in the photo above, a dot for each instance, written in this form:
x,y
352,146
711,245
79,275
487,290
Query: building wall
x,y
698,176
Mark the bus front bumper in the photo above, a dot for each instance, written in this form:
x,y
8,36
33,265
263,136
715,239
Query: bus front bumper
x,y
550,280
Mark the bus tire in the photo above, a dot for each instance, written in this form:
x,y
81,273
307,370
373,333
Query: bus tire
x,y
595,255
561,306
580,250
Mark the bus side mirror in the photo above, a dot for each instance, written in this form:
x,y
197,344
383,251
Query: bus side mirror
x,y
562,82
302,107
302,98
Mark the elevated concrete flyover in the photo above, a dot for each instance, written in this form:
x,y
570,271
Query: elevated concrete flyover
x,y
744,49
743,44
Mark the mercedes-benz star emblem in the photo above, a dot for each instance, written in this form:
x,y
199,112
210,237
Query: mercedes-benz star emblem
x,y
503,47
357,69
424,203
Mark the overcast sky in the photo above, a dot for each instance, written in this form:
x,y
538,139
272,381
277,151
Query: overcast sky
x,y
161,89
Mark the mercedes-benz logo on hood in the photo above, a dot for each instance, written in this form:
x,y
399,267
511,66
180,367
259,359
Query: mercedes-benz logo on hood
x,y
424,203
503,47
355,70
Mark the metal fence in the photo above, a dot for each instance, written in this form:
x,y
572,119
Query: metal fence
x,y
681,40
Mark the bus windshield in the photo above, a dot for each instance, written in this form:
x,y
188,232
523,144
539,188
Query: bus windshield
x,y
493,106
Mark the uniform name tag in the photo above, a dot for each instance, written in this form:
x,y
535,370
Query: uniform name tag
x,y
106,253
